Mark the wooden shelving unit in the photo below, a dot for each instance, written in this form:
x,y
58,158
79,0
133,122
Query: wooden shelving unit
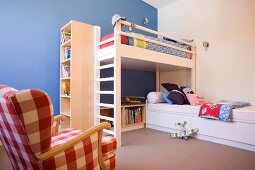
x,y
134,125
76,101
130,126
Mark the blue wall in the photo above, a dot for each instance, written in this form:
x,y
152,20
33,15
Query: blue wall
x,y
29,36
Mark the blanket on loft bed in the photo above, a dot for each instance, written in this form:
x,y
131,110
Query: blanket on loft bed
x,y
152,46
220,111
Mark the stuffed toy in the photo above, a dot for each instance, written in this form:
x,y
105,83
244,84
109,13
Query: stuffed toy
x,y
184,133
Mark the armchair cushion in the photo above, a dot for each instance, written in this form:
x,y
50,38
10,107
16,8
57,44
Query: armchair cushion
x,y
83,155
64,136
109,145
35,111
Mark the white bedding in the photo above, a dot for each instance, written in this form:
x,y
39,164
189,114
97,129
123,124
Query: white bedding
x,y
241,114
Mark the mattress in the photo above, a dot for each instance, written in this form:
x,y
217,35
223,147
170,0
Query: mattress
x,y
246,114
150,46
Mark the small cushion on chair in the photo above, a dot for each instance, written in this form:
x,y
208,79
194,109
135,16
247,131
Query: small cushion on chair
x,y
64,136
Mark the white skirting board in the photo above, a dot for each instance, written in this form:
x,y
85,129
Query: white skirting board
x,y
208,138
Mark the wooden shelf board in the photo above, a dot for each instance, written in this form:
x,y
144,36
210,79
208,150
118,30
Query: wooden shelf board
x,y
67,43
133,105
66,114
64,96
65,61
66,78
135,124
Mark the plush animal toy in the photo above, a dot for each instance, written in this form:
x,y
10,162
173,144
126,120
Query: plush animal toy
x,y
184,134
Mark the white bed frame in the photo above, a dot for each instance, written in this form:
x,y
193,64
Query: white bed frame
x,y
238,133
124,56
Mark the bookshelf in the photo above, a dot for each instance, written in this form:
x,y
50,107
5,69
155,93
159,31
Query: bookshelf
x,y
133,116
76,75
128,124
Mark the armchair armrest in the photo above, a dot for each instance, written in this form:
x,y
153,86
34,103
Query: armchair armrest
x,y
55,123
59,150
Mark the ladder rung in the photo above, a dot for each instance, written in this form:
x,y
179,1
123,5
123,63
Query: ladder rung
x,y
105,105
105,41
105,118
105,57
105,92
108,131
106,79
105,66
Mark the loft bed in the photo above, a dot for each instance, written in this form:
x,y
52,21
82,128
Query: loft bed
x,y
112,52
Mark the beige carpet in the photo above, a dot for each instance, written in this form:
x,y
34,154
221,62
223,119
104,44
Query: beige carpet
x,y
147,149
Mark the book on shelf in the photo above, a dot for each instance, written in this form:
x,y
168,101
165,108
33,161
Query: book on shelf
x,y
131,116
67,53
65,36
65,71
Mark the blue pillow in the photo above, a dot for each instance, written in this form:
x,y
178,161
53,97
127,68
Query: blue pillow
x,y
164,95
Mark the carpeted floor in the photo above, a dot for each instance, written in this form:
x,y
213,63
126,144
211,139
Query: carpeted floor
x,y
148,149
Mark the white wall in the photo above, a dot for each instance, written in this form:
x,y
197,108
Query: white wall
x,y
227,69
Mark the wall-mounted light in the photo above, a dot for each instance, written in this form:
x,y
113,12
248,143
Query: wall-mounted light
x,y
145,21
206,45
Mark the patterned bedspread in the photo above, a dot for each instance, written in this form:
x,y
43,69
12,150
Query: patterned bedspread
x,y
153,46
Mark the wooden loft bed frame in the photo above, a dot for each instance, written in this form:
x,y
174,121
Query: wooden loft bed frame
x,y
132,57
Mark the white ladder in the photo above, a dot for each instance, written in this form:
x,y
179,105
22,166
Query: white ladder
x,y
105,59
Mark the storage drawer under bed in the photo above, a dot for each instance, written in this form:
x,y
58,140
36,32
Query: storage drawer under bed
x,y
167,120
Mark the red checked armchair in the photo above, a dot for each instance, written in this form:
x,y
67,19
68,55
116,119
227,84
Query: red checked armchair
x,y
29,135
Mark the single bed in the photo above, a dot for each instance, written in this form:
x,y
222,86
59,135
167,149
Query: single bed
x,y
239,132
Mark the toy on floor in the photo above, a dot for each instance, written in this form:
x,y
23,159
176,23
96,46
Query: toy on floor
x,y
184,134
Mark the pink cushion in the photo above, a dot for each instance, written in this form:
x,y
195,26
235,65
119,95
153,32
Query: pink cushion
x,y
195,99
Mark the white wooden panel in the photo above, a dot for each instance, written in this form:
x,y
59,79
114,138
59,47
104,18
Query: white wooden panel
x,y
153,56
236,131
167,120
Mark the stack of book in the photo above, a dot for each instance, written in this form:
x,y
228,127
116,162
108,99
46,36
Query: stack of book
x,y
131,116
67,53
65,36
66,72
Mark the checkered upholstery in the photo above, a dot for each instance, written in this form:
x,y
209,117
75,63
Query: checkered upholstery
x,y
25,131
35,111
109,145
83,155
13,135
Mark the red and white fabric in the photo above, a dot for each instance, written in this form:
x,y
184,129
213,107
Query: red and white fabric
x,y
35,111
109,145
13,135
25,131
83,155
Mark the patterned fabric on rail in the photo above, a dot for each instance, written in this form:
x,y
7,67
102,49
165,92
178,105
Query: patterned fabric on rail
x,y
35,111
13,135
83,155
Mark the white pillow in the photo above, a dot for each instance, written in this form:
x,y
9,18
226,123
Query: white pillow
x,y
155,97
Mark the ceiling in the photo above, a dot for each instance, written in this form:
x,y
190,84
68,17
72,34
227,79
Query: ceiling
x,y
159,3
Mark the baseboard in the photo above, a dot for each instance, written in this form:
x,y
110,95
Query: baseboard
x,y
209,138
